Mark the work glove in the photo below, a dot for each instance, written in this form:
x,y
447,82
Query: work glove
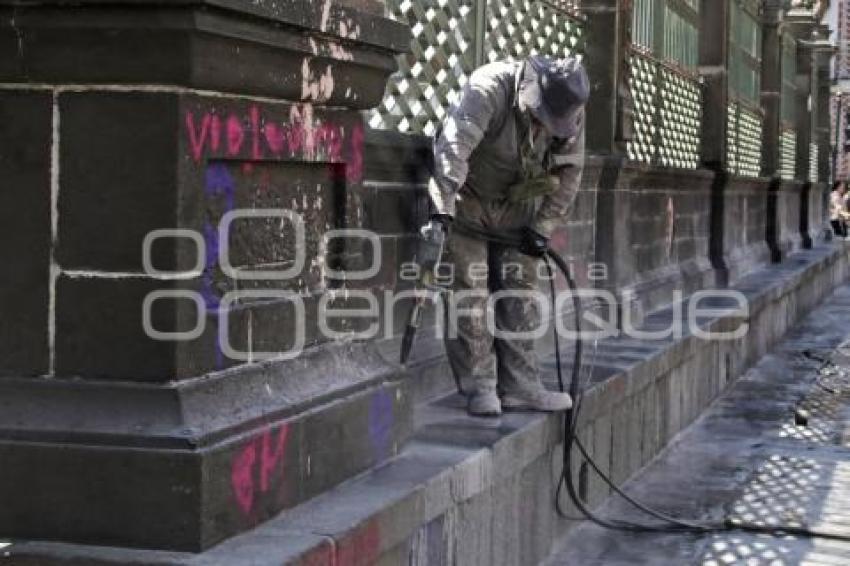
x,y
436,229
533,243
431,242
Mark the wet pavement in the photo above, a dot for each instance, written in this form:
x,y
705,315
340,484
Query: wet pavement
x,y
774,450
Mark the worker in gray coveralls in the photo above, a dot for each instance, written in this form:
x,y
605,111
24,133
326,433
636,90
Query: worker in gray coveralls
x,y
509,157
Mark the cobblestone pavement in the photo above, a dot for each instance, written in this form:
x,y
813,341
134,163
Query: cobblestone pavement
x,y
774,450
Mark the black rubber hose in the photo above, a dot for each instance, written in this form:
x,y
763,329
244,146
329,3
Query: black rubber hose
x,y
672,524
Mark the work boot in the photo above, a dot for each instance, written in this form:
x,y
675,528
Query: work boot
x,y
484,403
537,399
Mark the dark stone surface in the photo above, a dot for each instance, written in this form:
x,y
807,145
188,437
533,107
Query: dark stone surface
x,y
118,179
653,231
400,209
605,65
396,157
25,139
117,497
99,331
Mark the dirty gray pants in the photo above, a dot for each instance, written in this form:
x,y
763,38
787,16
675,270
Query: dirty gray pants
x,y
479,360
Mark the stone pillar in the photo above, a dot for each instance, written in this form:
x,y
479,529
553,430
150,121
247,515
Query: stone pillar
x,y
147,397
610,108
610,112
806,110
714,68
714,58
805,103
824,52
771,85
771,101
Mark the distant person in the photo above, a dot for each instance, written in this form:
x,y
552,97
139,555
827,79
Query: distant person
x,y
838,212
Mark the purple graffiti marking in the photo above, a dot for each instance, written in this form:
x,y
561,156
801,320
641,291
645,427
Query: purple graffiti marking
x,y
219,189
381,423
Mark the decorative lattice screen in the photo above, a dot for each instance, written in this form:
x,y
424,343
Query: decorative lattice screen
x,y
744,140
788,155
681,119
668,113
732,138
666,91
644,88
443,54
813,163
518,28
453,37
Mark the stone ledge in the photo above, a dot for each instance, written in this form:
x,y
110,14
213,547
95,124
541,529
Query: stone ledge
x,y
281,48
190,413
457,474
189,500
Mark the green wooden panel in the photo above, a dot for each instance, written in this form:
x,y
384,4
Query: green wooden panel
x,y
789,74
643,23
744,53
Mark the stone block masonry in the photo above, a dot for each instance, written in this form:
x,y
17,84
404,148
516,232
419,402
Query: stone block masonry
x,y
130,136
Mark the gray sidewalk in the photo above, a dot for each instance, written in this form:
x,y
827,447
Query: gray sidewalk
x,y
748,458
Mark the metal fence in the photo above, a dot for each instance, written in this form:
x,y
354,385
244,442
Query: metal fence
x,y
453,37
665,87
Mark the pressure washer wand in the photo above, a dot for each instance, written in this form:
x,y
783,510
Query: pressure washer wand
x,y
429,254
412,327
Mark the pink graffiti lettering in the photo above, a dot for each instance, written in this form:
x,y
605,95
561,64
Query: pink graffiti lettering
x,y
256,152
274,137
235,135
300,135
197,139
272,454
216,133
246,466
242,477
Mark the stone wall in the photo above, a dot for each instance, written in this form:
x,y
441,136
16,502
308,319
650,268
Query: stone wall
x,y
131,137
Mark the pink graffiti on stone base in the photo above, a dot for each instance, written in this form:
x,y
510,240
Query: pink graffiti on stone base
x,y
242,477
255,464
